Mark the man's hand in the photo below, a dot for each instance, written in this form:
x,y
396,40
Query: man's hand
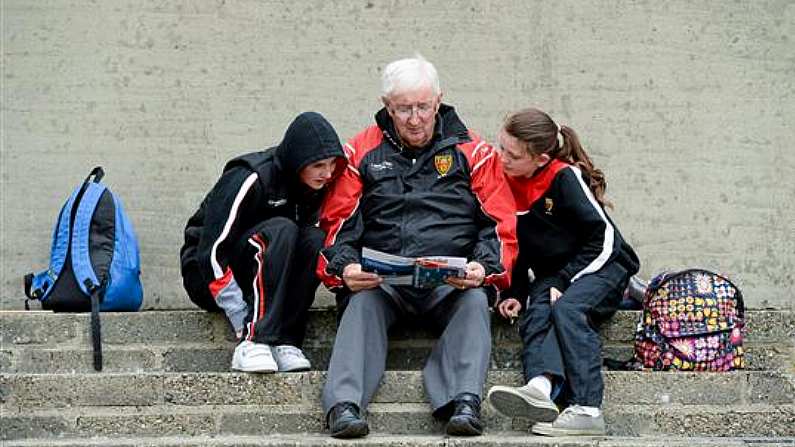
x,y
475,276
509,308
357,280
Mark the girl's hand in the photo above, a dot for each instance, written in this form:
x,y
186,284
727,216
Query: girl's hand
x,y
554,295
509,308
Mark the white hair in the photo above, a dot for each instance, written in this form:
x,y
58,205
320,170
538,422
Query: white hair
x,y
409,74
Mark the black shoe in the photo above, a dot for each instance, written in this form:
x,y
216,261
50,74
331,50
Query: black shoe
x,y
344,421
465,420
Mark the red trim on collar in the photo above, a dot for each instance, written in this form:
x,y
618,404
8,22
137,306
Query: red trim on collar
x,y
527,190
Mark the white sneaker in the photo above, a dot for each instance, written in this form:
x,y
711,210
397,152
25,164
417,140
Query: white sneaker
x,y
526,401
574,421
289,358
253,357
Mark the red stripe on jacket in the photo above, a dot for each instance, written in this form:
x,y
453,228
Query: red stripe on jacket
x,y
259,284
343,198
494,195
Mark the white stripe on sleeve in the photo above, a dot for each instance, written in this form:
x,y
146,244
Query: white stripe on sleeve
x,y
230,219
607,248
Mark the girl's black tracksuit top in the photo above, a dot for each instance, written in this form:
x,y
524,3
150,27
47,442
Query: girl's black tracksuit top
x,y
563,232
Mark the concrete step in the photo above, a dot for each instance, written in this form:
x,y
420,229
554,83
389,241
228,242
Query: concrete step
x,y
197,341
384,418
25,392
507,439
213,358
189,326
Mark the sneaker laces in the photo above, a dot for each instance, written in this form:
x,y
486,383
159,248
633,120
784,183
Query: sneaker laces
x,y
290,351
252,349
574,410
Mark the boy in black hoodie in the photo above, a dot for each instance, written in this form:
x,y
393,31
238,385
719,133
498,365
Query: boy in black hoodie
x,y
251,247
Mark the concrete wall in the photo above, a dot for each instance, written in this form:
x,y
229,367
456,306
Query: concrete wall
x,y
687,106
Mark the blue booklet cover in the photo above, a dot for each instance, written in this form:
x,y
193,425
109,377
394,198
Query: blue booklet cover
x,y
424,272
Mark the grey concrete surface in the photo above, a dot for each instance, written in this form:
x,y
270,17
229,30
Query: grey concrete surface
x,y
687,107
492,439
195,341
51,391
393,419
214,358
182,328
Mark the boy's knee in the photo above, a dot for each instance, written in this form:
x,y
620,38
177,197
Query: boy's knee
x,y
314,234
313,238
283,225
278,228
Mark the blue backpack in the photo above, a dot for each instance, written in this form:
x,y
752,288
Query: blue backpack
x,y
94,261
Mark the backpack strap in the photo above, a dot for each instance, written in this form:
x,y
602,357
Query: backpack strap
x,y
97,173
39,285
81,260
28,282
96,331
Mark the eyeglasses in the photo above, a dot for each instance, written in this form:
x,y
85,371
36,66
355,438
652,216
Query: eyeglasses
x,y
424,110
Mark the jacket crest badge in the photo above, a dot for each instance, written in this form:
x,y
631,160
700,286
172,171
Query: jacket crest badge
x,y
548,205
443,163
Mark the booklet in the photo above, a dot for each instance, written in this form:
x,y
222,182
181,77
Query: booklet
x,y
424,272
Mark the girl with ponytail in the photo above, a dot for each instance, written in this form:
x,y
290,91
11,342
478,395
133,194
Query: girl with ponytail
x,y
580,266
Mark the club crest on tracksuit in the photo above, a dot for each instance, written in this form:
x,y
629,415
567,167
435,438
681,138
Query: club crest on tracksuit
x,y
548,205
443,163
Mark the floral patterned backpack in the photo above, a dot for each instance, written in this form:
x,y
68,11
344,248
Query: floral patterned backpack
x,y
692,320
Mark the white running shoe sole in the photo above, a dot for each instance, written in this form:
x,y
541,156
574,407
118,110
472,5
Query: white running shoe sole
x,y
263,369
295,368
512,403
547,429
245,360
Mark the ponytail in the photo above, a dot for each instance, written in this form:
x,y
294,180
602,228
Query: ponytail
x,y
573,152
543,136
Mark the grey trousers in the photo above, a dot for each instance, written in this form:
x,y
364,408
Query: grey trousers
x,y
457,364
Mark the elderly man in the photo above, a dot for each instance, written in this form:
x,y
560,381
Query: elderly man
x,y
418,183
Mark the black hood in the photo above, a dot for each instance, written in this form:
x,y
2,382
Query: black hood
x,y
309,138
